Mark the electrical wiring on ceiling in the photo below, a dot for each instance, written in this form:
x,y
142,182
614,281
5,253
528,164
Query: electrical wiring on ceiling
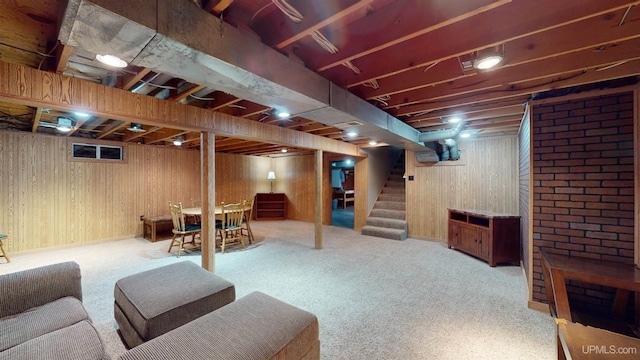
x,y
351,67
324,42
289,10
372,84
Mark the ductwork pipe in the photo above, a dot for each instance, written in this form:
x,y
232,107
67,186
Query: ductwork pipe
x,y
432,136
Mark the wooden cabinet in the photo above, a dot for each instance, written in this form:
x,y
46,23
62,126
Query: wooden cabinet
x,y
270,206
490,236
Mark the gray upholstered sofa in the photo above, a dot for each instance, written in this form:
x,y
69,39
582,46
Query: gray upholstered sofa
x,y
42,317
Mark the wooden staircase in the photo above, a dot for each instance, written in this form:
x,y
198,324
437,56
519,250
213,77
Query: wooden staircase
x,y
388,216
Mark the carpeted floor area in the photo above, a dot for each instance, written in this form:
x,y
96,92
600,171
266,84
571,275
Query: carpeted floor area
x,y
374,298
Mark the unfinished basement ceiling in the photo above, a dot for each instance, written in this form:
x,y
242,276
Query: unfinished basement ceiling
x,y
397,69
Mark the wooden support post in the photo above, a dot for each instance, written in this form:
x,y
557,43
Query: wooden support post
x,y
208,186
318,200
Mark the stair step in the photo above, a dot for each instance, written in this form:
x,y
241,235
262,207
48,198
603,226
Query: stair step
x,y
389,214
394,234
388,223
394,184
393,190
392,197
390,205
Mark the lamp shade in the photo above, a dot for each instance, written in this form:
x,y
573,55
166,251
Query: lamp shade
x,y
271,175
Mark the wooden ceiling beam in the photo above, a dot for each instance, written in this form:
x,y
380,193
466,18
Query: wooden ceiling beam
x,y
166,135
468,114
313,21
63,52
112,128
216,7
451,44
525,90
136,135
37,114
130,80
387,31
589,34
183,95
512,75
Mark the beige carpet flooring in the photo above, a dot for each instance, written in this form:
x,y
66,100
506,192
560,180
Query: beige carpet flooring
x,y
374,298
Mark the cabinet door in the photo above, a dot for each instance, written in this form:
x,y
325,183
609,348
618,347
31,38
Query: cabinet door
x,y
454,235
484,243
469,239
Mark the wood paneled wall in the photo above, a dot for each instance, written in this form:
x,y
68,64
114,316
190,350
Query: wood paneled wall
x,y
48,200
240,177
295,177
485,178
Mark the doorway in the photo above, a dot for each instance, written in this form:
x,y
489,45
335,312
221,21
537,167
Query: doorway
x,y
342,185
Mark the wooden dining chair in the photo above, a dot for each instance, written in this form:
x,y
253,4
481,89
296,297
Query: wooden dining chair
x,y
246,219
231,225
181,229
196,203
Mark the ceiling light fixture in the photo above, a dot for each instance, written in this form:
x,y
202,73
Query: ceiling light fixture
x,y
178,140
352,134
64,124
283,114
488,58
111,60
373,142
284,150
452,119
136,127
81,114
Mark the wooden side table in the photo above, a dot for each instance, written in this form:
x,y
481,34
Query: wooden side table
x,y
4,253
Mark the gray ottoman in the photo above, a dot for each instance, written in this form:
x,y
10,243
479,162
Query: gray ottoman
x,y
153,302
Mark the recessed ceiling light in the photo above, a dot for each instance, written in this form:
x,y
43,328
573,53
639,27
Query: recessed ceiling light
x,y
111,60
487,62
283,114
352,134
373,142
284,150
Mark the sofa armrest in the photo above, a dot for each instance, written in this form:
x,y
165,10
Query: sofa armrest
x,y
26,289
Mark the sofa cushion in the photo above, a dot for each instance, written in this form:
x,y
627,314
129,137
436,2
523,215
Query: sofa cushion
x,y
255,327
161,299
78,341
40,320
27,289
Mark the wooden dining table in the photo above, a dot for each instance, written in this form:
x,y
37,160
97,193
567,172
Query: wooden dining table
x,y
197,211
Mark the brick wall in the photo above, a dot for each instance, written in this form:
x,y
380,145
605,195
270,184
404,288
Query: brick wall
x,y
583,195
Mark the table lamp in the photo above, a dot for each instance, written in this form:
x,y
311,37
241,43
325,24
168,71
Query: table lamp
x,y
271,176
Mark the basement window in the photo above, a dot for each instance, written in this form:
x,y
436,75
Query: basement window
x,y
97,152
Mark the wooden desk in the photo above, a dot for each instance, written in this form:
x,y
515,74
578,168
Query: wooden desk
x,y
576,341
559,268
